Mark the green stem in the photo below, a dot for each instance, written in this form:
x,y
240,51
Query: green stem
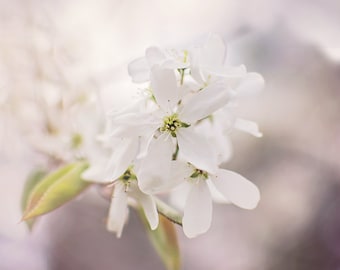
x,y
174,156
181,71
168,212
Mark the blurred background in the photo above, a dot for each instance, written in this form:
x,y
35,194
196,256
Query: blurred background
x,y
76,46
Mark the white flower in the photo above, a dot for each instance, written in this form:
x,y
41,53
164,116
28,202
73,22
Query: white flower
x,y
225,121
157,171
247,126
177,120
207,62
112,160
192,145
216,131
140,69
208,65
198,200
118,149
178,136
248,86
126,191
119,211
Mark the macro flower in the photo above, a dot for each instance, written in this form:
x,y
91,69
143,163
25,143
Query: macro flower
x,y
126,192
176,136
200,185
162,154
176,119
126,188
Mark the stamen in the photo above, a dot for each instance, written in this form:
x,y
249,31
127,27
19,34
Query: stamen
x,y
199,173
172,124
127,177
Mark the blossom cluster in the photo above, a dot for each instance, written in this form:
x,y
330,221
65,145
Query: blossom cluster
x,y
172,141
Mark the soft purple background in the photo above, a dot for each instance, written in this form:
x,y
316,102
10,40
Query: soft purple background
x,y
295,45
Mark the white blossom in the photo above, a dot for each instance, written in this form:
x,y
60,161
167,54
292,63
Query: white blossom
x,y
207,63
176,119
198,199
125,192
177,135
140,69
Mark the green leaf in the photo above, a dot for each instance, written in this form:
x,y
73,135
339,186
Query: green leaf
x,y
56,189
33,179
164,240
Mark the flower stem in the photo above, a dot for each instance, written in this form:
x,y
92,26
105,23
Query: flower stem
x,y
168,212
181,72
174,155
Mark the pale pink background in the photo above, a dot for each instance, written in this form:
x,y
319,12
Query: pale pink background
x,y
295,45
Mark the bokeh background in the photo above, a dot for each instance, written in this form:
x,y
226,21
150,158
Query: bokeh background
x,y
84,44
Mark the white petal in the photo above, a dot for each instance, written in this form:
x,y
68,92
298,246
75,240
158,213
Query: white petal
x,y
180,171
179,195
155,168
164,87
204,103
251,85
216,194
248,126
223,146
133,124
237,189
147,202
197,150
214,130
228,72
207,59
135,107
96,173
139,70
150,210
198,210
154,56
118,212
177,59
195,70
145,142
213,52
124,153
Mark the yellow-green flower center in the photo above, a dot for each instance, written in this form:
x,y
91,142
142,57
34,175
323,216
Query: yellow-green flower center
x,y
171,124
128,176
199,174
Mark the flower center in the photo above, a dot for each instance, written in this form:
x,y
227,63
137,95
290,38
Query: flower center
x,y
197,173
128,176
171,124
